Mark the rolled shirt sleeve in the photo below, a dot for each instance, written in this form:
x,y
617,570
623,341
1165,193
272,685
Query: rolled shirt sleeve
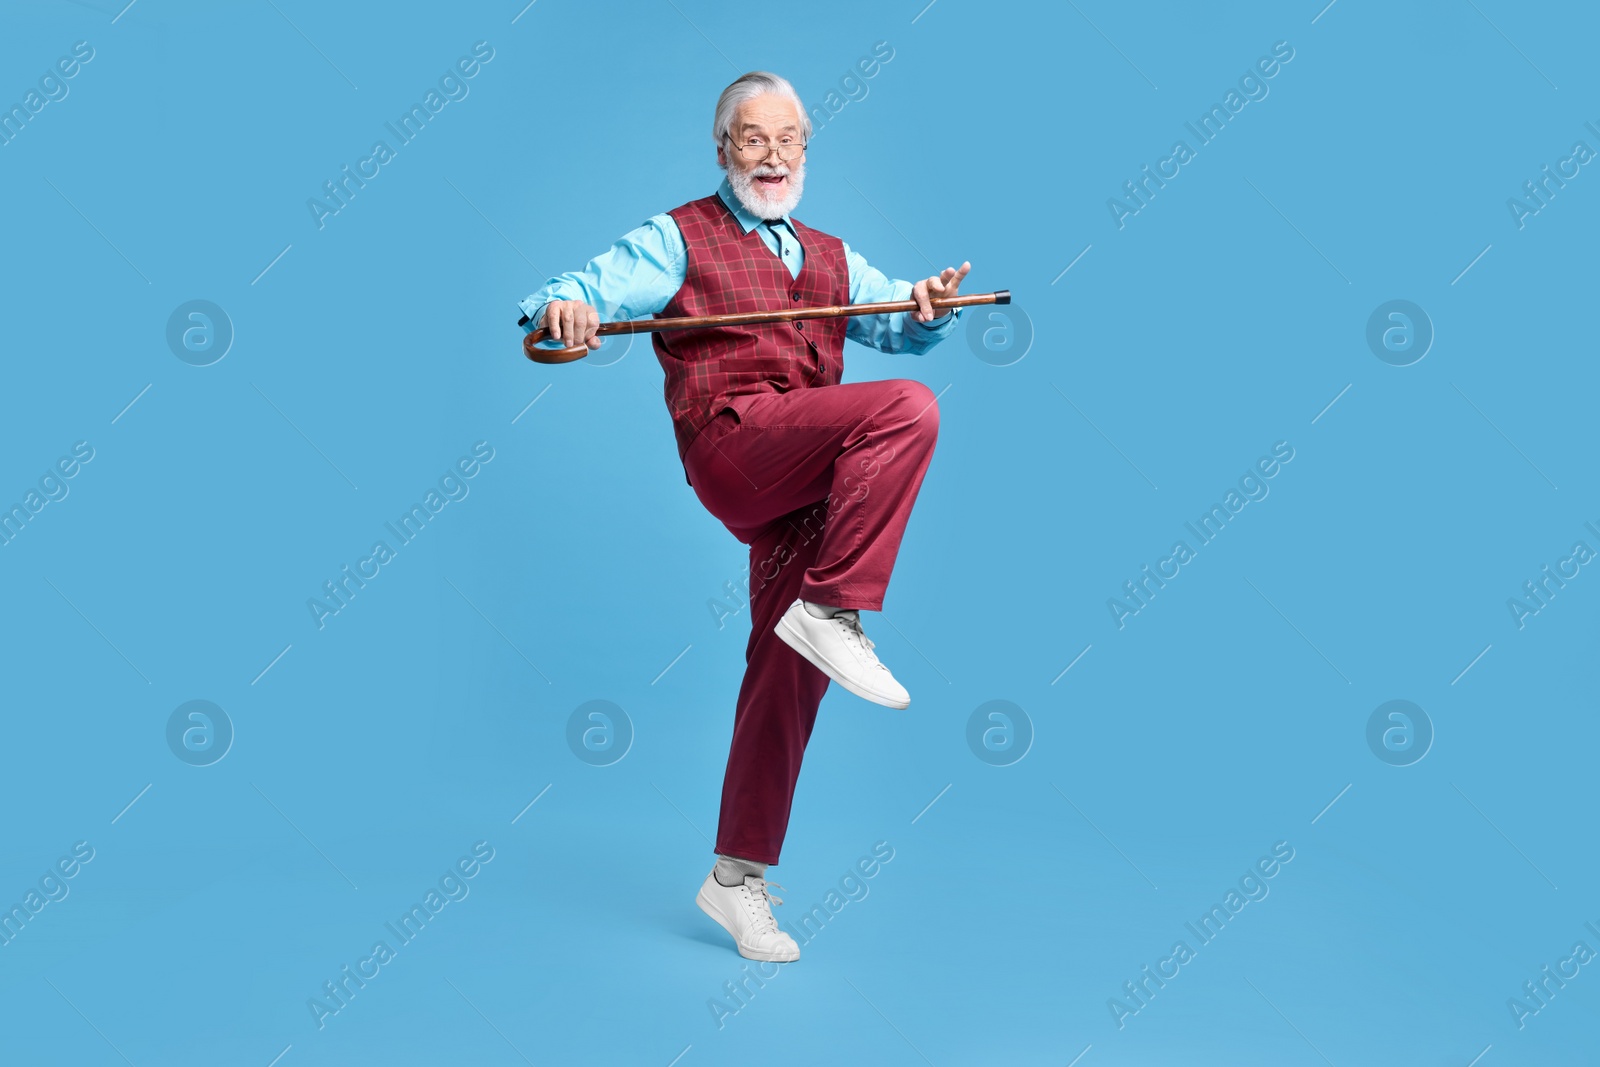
x,y
634,279
897,332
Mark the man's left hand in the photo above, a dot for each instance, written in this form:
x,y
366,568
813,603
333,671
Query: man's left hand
x,y
947,284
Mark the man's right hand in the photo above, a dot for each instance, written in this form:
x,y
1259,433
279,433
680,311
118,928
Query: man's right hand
x,y
572,322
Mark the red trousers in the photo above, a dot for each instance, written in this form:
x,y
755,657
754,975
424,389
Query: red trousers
x,y
819,483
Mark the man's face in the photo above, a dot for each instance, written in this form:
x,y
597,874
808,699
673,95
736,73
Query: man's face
x,y
769,120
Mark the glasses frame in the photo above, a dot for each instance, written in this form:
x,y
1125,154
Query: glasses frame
x,y
770,149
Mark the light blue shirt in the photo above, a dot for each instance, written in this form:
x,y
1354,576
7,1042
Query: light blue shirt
x,y
639,275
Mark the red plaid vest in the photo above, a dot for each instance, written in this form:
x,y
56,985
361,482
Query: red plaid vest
x,y
730,271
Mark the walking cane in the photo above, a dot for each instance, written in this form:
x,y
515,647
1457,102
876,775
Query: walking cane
x,y
567,355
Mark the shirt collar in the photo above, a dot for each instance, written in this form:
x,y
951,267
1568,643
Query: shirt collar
x,y
747,221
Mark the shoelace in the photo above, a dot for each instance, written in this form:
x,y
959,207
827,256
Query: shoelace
x,y
852,624
764,920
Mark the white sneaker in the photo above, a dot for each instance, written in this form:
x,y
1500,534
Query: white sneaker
x,y
839,649
743,911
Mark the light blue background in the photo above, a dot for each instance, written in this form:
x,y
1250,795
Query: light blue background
x,y
426,715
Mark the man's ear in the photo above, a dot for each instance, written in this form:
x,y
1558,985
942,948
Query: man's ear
x,y
722,157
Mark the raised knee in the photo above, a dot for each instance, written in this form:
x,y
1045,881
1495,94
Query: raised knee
x,y
916,404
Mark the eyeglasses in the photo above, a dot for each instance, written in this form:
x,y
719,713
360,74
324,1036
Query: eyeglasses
x,y
759,152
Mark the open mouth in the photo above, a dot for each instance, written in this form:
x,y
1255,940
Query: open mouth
x,y
772,181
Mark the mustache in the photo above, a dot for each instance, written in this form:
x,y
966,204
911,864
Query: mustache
x,y
767,170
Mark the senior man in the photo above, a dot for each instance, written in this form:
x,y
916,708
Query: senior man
x,y
817,477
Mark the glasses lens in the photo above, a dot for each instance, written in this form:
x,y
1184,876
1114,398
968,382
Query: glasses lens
x,y
786,152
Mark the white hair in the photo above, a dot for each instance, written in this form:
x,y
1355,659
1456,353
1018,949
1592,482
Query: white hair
x,y
747,88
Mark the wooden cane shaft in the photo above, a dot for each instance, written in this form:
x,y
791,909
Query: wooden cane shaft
x,y
531,341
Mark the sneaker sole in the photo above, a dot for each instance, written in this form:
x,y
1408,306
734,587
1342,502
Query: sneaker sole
x,y
715,913
792,637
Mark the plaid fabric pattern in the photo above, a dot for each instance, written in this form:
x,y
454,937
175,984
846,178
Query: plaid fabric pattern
x,y
730,271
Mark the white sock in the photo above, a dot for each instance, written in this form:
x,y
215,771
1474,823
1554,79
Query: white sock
x,y
730,870
820,611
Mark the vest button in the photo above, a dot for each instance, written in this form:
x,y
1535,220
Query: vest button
x,y
800,326
797,296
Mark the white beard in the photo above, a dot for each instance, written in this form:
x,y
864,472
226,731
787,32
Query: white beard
x,y
752,194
